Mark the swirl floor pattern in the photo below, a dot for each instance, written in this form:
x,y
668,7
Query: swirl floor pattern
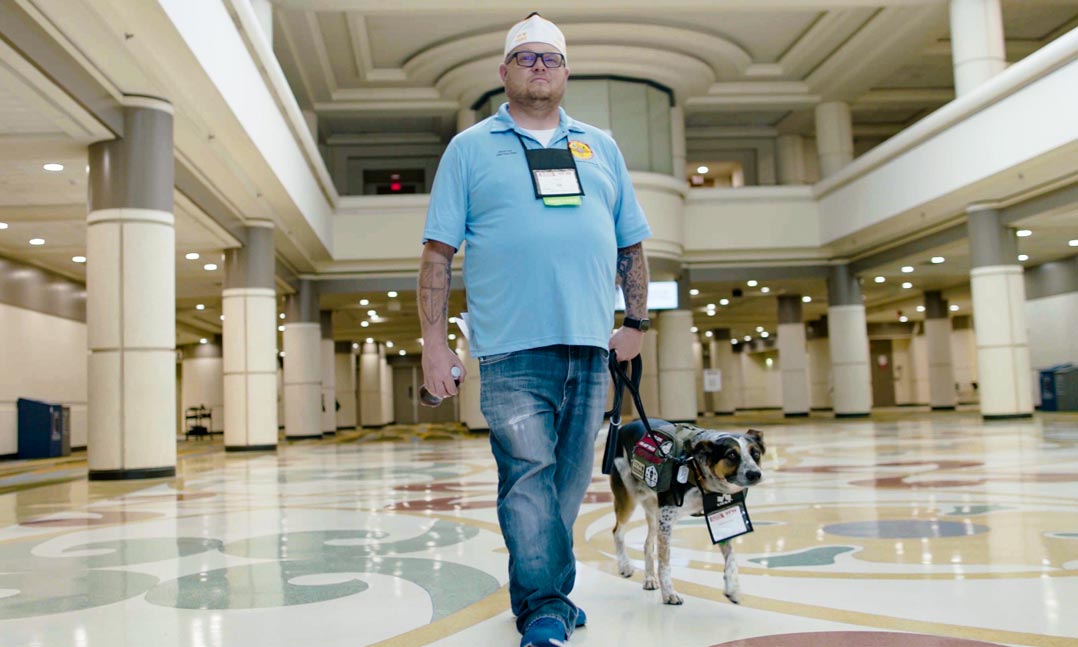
x,y
905,530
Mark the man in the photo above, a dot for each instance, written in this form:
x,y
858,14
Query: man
x,y
551,220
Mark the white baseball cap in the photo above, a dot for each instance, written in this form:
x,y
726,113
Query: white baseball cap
x,y
534,29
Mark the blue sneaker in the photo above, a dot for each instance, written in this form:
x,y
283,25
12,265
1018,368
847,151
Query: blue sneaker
x,y
545,632
581,618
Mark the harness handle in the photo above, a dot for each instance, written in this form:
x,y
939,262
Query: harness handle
x,y
621,381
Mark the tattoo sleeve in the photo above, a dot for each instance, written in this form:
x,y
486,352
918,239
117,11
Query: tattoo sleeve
x,y
633,278
435,277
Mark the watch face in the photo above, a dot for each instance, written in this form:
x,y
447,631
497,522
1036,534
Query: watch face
x,y
645,325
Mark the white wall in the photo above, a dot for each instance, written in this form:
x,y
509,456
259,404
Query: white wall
x,y
919,351
964,356
751,218
761,385
345,364
819,367
44,358
1052,339
902,355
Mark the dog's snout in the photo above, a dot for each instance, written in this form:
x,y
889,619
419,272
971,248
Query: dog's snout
x,y
752,475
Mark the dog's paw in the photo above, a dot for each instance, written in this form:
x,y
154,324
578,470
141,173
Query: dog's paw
x,y
626,570
734,596
650,583
672,598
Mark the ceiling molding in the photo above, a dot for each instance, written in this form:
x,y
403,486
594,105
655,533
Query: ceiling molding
x,y
818,43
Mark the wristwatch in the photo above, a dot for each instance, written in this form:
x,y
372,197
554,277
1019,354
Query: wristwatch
x,y
643,325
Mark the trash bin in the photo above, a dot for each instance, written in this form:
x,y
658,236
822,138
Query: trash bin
x,y
42,430
1059,388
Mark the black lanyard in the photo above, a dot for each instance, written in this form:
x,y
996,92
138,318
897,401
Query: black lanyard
x,y
547,160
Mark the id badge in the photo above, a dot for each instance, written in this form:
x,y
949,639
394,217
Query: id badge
x,y
727,517
554,176
556,182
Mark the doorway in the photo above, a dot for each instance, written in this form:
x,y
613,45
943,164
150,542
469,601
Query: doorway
x,y
881,357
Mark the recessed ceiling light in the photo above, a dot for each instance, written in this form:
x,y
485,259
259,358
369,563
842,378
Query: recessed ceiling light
x,y
389,344
759,328
710,306
191,256
364,302
702,169
53,167
806,299
711,313
209,267
280,328
78,259
200,306
765,290
392,294
907,269
880,279
903,318
694,292
222,317
954,308
748,337
765,334
751,283
1022,258
203,341
370,340
907,285
724,302
281,315
936,260
280,354
1023,233
920,308
355,345
694,329
37,241
734,342
3,225
1072,243
452,337
372,313
403,352
364,324
708,334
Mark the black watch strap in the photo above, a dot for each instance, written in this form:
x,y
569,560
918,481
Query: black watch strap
x,y
639,324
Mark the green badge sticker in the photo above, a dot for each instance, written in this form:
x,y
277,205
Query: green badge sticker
x,y
563,201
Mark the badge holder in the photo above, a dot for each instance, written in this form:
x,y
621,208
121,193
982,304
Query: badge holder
x,y
726,515
554,175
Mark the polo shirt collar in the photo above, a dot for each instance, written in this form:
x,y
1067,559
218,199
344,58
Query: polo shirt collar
x,y
503,122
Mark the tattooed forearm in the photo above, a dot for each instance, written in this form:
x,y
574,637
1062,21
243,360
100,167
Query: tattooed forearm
x,y
633,277
435,277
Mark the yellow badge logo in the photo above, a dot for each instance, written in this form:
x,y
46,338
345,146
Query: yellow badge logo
x,y
581,151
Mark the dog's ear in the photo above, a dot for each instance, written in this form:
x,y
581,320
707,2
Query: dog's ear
x,y
757,437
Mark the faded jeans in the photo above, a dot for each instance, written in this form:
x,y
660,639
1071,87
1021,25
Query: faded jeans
x,y
544,407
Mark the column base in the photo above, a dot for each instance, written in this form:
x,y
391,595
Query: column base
x,y
943,408
305,437
725,413
125,475
822,409
330,433
251,448
852,415
1007,416
803,414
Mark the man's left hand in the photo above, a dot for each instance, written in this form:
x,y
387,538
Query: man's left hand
x,y
627,343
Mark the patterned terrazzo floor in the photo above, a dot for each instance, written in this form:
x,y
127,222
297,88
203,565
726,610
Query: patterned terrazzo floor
x,y
907,530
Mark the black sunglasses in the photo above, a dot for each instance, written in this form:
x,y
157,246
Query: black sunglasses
x,y
528,59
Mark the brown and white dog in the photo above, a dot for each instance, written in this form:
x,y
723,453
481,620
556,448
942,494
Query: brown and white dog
x,y
727,463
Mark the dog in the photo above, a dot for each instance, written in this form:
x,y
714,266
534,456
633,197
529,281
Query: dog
x,y
725,463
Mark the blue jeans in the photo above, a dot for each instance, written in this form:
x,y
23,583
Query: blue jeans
x,y
544,407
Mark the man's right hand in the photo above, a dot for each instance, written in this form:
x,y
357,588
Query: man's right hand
x,y
438,363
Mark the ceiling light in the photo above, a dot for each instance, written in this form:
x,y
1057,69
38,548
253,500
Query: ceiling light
x,y
403,352
200,306
355,345
724,302
364,324
191,256
765,334
708,334
903,318
370,340
53,167
37,241
734,342
880,279
702,169
954,308
78,259
280,354
1023,233
765,290
392,294
282,315
1072,243
222,317
1022,258
280,328
907,285
3,225
203,341
209,267
711,306
694,329
364,302
907,269
806,299
920,308
711,313
372,313
748,337
452,337
693,292
389,344
751,283
759,328
936,260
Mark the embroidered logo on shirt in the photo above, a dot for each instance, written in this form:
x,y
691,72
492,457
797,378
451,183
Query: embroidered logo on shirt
x,y
581,151
503,153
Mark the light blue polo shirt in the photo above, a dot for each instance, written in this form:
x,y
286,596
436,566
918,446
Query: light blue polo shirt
x,y
535,275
